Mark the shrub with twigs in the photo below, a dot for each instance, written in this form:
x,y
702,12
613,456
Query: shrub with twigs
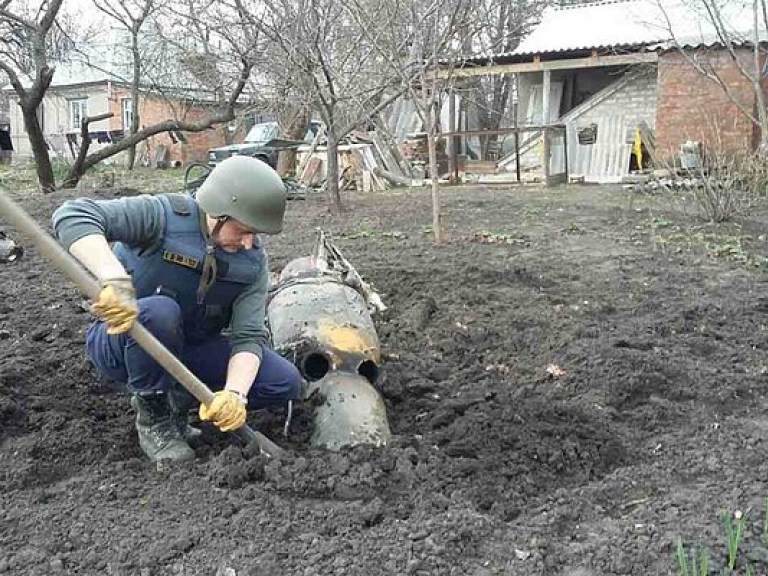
x,y
728,185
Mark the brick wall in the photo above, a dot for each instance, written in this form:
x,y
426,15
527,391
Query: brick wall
x,y
154,110
693,107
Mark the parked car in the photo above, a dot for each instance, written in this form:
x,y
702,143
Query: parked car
x,y
260,142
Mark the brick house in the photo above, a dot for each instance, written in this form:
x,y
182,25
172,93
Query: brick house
x,y
78,91
618,74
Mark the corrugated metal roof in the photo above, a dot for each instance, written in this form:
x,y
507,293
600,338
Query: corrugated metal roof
x,y
634,23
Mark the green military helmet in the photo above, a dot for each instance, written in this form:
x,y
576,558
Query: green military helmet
x,y
247,190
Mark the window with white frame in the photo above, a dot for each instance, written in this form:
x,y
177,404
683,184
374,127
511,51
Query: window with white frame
x,y
78,109
126,111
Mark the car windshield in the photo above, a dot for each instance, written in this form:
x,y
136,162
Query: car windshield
x,y
262,132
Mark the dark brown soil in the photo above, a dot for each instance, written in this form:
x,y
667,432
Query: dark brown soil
x,y
502,464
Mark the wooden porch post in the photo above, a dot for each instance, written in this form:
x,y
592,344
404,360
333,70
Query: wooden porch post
x,y
453,165
545,90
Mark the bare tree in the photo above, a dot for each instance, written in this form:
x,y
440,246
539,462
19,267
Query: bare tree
x,y
131,15
415,39
293,119
35,33
739,41
198,58
325,58
500,25
28,42
288,93
236,55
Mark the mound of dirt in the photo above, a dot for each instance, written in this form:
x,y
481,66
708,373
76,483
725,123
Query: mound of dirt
x,y
568,396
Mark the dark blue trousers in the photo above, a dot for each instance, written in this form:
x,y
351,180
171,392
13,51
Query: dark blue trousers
x,y
123,361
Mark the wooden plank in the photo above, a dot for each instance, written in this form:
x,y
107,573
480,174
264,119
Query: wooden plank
x,y
388,159
480,167
392,145
378,183
315,141
519,129
367,182
311,172
534,66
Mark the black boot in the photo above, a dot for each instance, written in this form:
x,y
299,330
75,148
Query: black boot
x,y
159,435
181,404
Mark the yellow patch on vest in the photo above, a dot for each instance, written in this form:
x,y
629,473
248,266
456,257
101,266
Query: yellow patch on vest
x,y
180,259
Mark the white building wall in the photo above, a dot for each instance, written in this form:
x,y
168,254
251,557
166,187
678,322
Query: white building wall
x,y
56,118
616,113
617,110
636,100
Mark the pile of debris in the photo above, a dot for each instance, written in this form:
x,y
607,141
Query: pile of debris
x,y
368,161
660,181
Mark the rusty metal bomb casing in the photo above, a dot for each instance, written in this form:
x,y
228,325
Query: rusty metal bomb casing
x,y
323,323
352,413
324,327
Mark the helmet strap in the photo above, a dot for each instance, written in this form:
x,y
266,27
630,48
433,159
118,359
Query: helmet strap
x,y
208,275
214,235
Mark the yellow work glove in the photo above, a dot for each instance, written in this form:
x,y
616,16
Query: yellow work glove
x,y
226,411
116,304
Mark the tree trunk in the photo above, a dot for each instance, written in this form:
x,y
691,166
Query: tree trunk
x,y
135,120
332,182
295,129
39,149
134,125
81,164
431,130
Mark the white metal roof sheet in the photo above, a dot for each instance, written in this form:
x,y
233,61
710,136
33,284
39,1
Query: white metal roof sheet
x,y
652,23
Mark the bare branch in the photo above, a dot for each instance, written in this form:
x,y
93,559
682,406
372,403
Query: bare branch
x,y
29,24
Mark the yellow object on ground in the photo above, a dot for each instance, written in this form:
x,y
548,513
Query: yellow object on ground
x,y
637,148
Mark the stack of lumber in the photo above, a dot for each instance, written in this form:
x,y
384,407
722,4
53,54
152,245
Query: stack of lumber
x,y
363,158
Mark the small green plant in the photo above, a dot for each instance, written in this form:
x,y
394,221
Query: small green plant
x,y
693,564
363,230
659,222
733,524
733,248
532,211
394,234
60,168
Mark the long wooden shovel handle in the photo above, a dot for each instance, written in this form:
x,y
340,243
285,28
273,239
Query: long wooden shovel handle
x,y
90,287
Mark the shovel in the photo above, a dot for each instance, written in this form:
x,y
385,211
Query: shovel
x,y
90,287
